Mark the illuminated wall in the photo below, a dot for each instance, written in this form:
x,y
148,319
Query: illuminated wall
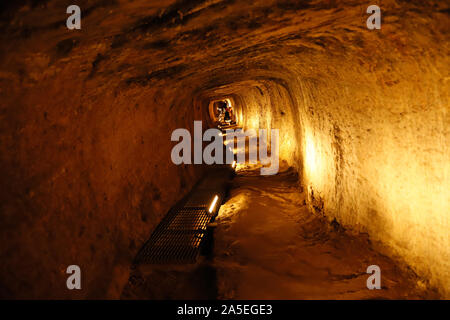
x,y
381,163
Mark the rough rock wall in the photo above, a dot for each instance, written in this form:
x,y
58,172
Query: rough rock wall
x,y
381,163
86,176
85,165
86,118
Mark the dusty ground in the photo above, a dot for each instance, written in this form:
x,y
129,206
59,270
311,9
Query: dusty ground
x,y
268,246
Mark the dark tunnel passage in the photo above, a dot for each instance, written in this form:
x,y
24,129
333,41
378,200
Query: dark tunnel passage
x,y
86,118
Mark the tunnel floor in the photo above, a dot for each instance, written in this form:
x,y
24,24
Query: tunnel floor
x,y
267,245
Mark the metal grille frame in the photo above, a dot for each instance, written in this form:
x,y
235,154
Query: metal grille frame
x,y
178,237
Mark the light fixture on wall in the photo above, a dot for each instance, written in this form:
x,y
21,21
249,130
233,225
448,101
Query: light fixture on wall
x,y
213,204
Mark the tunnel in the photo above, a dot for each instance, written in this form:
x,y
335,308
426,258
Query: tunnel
x,y
362,117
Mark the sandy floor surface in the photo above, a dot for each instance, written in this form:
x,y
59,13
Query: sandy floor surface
x,y
268,246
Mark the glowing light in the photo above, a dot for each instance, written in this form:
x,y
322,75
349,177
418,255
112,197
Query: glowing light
x,y
213,204
311,159
233,165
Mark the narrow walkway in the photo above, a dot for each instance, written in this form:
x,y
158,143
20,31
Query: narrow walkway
x,y
268,246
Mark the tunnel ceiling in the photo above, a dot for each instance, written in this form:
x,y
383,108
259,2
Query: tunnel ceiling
x,y
203,42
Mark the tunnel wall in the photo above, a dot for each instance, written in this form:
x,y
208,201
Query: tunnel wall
x,y
271,95
86,176
380,164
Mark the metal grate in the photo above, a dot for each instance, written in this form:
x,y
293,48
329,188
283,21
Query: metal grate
x,y
177,239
